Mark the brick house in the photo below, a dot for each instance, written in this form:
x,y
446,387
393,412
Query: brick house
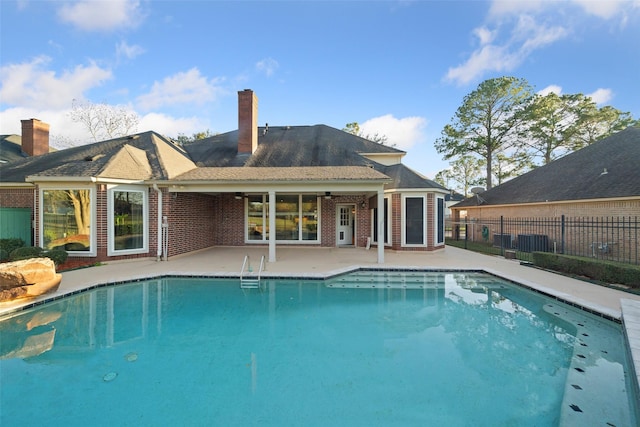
x,y
600,180
144,195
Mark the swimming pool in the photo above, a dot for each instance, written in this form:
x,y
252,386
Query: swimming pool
x,y
367,348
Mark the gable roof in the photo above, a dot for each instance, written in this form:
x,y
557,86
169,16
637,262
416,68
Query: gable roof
x,y
608,168
142,156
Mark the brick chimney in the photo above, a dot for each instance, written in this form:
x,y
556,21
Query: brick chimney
x,y
35,137
247,121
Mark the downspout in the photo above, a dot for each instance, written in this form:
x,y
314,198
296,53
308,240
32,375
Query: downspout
x,y
159,238
35,221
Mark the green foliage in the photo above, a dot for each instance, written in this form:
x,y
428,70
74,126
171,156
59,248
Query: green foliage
x,y
26,252
487,121
183,139
464,173
58,256
600,270
9,245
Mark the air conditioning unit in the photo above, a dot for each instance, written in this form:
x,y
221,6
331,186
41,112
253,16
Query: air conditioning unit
x,y
503,240
533,243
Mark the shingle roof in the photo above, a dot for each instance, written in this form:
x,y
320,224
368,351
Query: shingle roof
x,y
296,173
605,169
404,177
286,146
10,148
146,155
302,153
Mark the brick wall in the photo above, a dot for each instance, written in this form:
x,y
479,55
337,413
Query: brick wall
x,y
571,209
191,222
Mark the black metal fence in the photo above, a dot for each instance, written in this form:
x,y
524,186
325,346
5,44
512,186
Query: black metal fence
x,y
609,238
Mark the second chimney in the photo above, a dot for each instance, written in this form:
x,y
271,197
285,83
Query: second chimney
x,y
35,137
247,121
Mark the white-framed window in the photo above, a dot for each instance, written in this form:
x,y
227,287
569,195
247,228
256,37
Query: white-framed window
x,y
127,220
439,219
414,232
297,218
387,224
68,218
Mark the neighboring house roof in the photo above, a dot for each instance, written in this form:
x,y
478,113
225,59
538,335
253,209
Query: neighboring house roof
x,y
303,153
454,197
10,148
608,168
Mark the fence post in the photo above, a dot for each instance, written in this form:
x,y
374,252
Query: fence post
x,y
466,232
562,234
501,234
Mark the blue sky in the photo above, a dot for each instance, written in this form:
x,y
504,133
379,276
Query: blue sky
x,y
399,68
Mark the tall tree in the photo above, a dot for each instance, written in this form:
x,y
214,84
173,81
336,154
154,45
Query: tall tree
x,y
487,121
464,173
104,121
509,166
598,123
552,121
354,129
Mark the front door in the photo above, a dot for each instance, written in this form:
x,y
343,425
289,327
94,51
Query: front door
x,y
345,225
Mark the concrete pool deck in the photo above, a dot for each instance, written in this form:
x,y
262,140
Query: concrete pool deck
x,y
325,262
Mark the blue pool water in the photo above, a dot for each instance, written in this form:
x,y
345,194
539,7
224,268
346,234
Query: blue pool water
x,y
364,349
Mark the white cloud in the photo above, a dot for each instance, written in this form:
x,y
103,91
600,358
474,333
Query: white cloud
x,y
601,96
550,89
603,9
488,58
526,36
61,127
32,85
172,126
123,49
485,35
188,87
101,15
404,133
268,66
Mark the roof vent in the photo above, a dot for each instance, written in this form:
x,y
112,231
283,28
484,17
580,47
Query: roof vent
x,y
133,137
93,158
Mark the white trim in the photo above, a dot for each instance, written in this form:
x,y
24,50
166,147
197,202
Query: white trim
x,y
265,201
352,215
93,240
111,251
435,220
388,224
403,208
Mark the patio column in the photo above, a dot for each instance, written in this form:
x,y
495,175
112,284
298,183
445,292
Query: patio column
x,y
380,226
272,226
